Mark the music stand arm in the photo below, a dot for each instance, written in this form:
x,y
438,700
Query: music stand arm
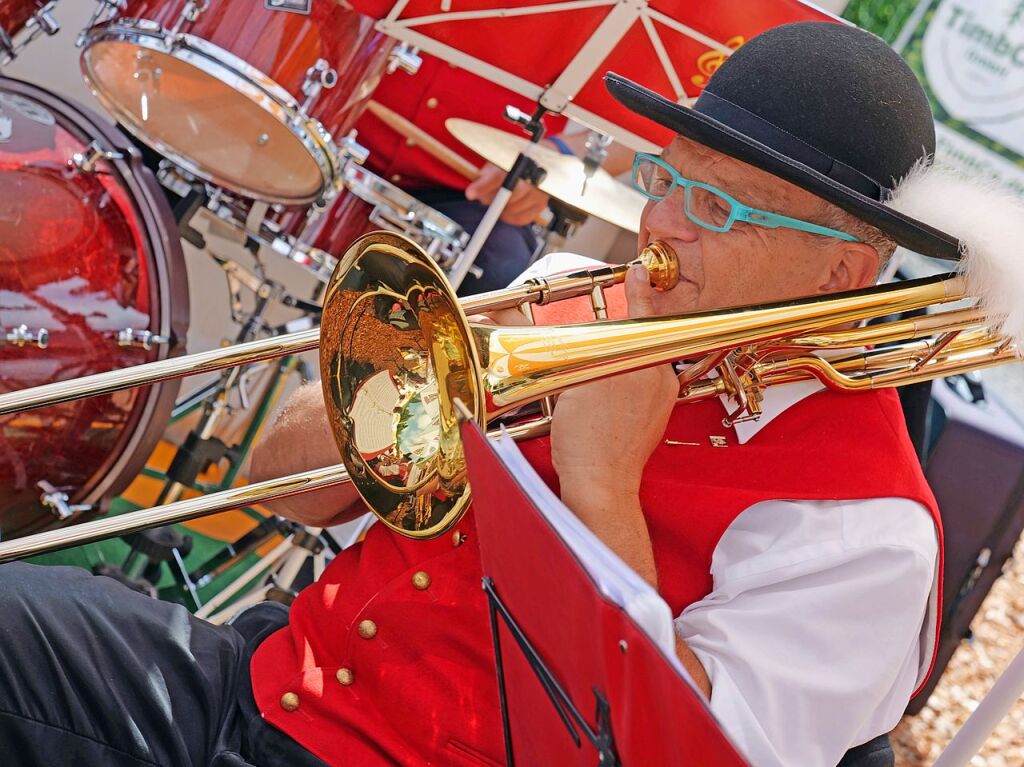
x,y
602,740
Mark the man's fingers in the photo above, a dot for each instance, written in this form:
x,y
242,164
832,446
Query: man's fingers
x,y
525,204
482,189
485,186
639,293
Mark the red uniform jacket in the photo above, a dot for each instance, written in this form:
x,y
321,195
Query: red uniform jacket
x,y
428,98
390,651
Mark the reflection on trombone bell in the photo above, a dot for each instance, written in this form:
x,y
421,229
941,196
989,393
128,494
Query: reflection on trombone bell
x,y
407,387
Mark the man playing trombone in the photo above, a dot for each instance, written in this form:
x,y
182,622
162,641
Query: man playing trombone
x,y
799,551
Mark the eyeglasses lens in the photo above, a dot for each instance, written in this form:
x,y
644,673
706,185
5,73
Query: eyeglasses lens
x,y
652,179
708,208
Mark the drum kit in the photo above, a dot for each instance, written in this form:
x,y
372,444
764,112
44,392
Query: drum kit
x,y
245,110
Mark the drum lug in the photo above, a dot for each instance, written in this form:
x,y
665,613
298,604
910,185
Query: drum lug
x,y
22,336
191,12
319,76
87,161
7,48
142,339
353,150
405,57
57,501
42,21
106,10
293,6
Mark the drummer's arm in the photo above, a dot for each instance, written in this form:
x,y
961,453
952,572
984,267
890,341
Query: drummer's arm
x,y
527,201
300,439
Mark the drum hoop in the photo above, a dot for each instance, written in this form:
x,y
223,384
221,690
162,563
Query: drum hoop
x,y
234,73
373,189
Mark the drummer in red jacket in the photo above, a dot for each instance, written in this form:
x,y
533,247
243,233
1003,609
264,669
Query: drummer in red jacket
x,y
438,91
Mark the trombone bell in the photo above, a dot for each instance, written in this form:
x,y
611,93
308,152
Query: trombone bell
x,y
395,354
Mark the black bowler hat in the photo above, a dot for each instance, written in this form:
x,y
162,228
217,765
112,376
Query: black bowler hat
x,y
826,106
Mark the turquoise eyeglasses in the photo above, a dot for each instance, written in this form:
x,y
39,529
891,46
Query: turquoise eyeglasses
x,y
710,207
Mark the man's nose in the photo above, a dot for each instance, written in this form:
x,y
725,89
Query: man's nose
x,y
667,219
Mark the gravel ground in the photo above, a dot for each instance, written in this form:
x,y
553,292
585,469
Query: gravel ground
x,y
998,636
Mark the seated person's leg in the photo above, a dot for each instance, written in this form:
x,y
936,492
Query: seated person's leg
x,y
93,673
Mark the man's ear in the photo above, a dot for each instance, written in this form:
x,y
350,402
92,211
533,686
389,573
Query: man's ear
x,y
853,265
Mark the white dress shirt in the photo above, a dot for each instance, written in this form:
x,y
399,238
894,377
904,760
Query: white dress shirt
x,y
819,625
820,622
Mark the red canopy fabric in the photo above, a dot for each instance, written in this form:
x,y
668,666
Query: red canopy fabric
x,y
557,52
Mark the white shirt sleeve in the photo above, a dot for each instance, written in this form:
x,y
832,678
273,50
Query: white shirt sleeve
x,y
818,626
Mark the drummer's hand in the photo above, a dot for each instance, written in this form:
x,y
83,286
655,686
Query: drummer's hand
x,y
524,206
602,435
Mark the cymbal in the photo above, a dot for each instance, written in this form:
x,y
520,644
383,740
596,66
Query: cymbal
x,y
603,197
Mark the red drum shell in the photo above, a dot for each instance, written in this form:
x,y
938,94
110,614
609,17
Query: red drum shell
x,y
14,14
282,45
346,219
83,255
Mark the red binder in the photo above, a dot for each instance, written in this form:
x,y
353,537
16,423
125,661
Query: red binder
x,y
560,637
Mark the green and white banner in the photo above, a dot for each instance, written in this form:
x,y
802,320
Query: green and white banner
x,y
970,56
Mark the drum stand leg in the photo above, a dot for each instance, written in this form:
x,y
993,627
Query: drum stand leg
x,y
201,447
284,564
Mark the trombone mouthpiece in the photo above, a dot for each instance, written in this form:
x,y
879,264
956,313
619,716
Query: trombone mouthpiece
x,y
661,264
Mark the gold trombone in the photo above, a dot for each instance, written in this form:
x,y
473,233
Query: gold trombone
x,y
397,351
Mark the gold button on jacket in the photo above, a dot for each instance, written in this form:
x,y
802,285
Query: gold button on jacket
x,y
421,580
367,629
344,676
290,701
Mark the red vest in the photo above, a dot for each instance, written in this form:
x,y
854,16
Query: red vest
x,y
428,98
422,676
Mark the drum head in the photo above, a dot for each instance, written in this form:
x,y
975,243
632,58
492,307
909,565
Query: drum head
x,y
85,256
228,124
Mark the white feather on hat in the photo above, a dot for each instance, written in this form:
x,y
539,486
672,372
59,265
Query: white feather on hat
x,y
989,223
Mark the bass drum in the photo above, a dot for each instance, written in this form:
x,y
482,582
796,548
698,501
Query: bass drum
x,y
92,278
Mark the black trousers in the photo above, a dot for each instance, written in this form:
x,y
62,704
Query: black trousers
x,y
92,673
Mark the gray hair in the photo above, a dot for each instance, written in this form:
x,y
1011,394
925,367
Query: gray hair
x,y
835,217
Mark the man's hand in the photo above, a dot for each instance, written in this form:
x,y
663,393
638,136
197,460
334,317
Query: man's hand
x,y
526,203
602,435
604,432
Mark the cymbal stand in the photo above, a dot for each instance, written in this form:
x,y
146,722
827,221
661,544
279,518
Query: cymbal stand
x,y
524,168
565,220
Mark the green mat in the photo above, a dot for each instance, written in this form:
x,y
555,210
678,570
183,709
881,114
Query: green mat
x,y
115,550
